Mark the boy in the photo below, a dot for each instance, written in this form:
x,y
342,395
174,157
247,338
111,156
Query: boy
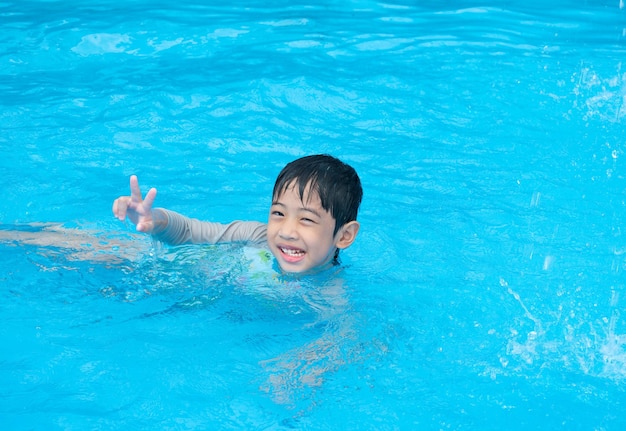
x,y
313,215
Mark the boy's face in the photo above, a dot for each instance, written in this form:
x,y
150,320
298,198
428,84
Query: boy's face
x,y
300,232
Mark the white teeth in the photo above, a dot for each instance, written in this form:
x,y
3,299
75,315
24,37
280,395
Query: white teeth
x,y
292,252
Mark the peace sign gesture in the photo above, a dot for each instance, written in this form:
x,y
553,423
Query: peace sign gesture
x,y
137,209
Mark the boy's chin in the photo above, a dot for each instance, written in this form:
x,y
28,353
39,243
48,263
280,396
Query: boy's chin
x,y
302,270
292,269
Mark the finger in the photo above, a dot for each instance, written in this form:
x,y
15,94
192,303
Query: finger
x,y
120,205
149,199
135,191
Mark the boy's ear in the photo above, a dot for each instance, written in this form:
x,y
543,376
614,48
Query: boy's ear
x,y
347,234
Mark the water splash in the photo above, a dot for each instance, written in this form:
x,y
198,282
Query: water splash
x,y
569,338
600,96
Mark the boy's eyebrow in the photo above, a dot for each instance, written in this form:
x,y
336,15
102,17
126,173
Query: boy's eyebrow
x,y
311,210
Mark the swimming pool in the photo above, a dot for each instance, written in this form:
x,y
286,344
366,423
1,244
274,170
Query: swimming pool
x,y
485,290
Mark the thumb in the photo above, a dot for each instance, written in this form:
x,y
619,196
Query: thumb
x,y
145,227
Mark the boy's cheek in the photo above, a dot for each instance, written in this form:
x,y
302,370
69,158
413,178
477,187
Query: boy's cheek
x,y
271,230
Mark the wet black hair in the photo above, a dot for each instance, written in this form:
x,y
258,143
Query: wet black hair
x,y
336,183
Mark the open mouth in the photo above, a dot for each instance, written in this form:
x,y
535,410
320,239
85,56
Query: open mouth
x,y
292,254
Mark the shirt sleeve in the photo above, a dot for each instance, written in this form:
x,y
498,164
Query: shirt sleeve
x,y
185,230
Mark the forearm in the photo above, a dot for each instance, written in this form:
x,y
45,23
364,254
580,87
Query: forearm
x,y
173,228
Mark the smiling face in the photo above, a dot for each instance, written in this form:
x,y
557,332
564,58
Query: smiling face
x,y
300,232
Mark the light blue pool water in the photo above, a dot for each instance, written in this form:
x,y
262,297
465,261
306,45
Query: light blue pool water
x,y
485,290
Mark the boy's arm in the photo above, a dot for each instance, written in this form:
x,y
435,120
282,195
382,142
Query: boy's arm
x,y
178,229
174,228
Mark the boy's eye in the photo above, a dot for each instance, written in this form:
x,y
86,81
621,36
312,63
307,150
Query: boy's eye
x,y
308,220
277,213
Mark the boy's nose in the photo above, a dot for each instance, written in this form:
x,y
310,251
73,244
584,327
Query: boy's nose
x,y
288,229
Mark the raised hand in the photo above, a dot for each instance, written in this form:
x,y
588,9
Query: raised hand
x,y
136,208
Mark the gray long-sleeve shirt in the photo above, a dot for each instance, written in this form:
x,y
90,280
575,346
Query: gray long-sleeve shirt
x,y
185,230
